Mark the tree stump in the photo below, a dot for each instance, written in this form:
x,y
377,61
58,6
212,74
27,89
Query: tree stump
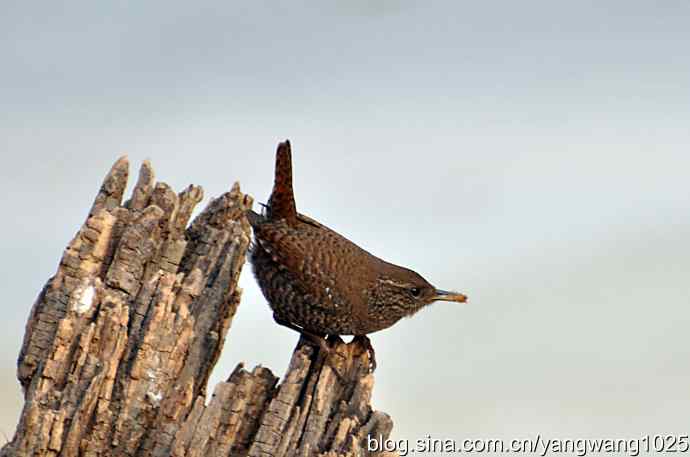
x,y
121,341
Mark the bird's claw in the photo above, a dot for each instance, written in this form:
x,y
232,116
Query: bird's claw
x,y
326,351
366,342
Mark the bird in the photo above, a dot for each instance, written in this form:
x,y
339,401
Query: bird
x,y
319,283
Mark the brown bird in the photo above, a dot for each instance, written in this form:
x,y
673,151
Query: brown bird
x,y
318,282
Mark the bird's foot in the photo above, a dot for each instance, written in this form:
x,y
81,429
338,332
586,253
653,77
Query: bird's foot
x,y
318,341
325,353
366,342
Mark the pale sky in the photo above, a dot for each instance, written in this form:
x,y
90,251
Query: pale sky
x,y
533,155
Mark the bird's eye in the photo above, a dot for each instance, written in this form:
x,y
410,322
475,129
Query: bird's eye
x,y
416,291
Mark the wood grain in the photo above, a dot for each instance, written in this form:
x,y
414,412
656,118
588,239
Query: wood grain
x,y
121,341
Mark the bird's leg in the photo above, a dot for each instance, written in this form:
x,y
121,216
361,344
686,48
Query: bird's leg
x,y
318,340
366,342
324,350
327,356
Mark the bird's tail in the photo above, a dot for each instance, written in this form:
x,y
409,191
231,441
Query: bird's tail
x,y
255,219
281,205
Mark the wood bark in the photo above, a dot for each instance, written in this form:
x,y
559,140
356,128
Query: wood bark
x,y
121,341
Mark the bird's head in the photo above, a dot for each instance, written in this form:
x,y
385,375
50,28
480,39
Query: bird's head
x,y
403,292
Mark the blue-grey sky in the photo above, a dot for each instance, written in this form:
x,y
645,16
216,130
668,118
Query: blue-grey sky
x,y
533,155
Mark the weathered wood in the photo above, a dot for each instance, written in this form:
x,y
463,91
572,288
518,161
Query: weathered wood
x,y
121,342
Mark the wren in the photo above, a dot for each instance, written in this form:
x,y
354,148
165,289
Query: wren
x,y
318,282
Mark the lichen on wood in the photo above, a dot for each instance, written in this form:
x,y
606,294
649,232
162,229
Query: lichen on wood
x,y
121,341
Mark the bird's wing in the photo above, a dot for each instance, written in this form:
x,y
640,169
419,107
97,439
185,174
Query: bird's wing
x,y
314,257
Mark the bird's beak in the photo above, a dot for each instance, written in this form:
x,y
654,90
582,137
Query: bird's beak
x,y
444,295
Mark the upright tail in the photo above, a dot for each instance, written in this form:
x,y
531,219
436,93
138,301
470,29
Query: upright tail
x,y
281,205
